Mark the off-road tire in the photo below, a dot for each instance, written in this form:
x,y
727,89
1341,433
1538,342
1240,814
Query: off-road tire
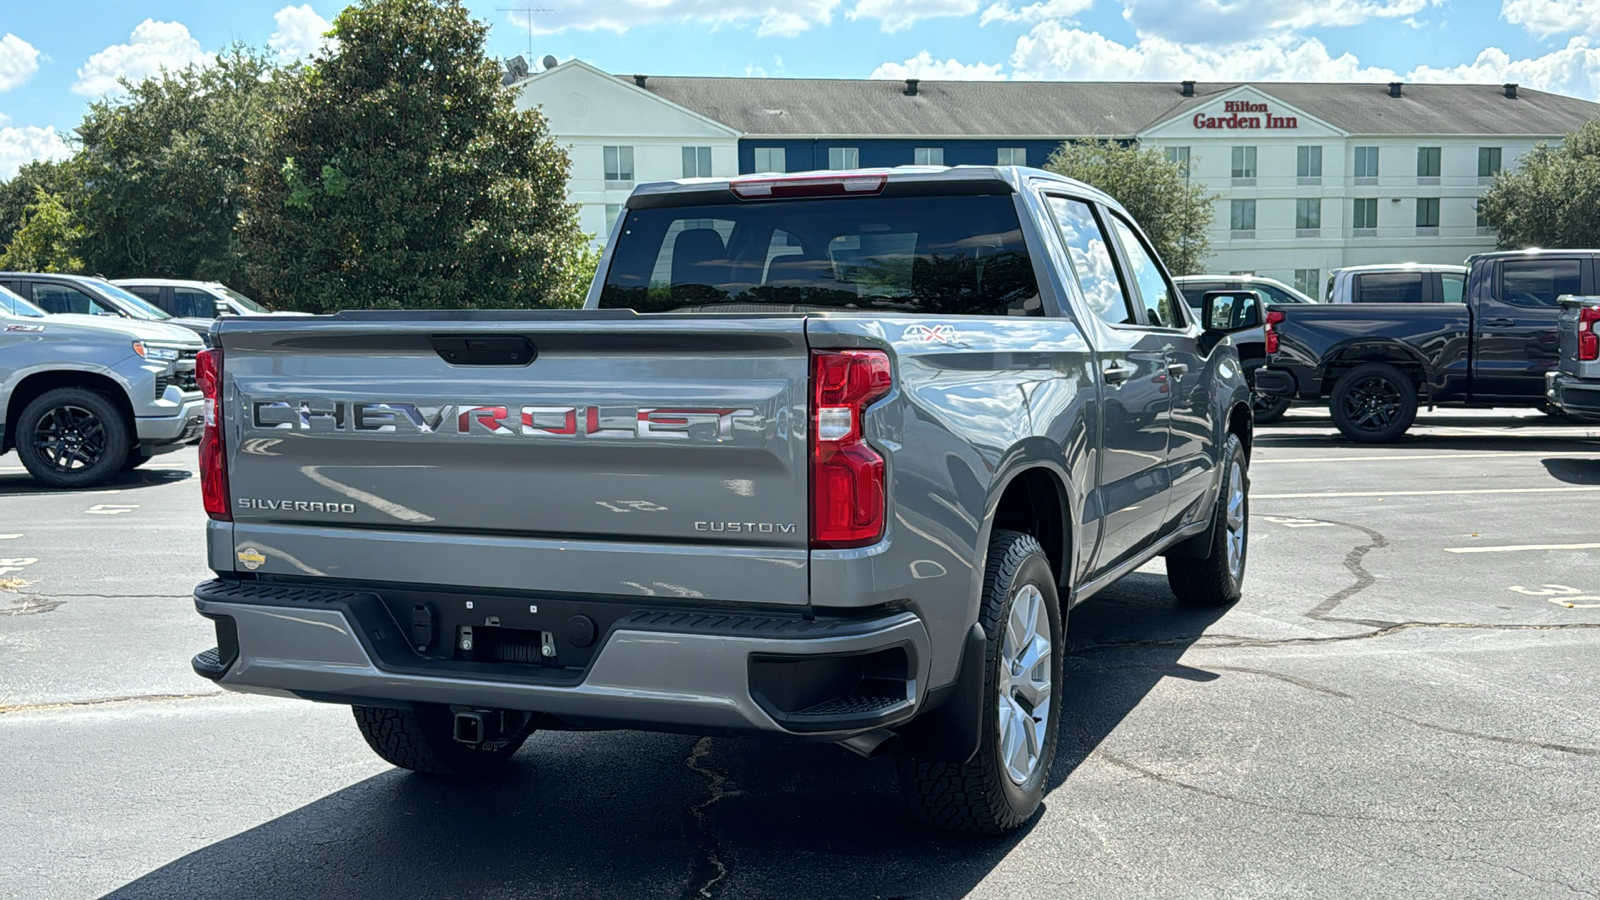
x,y
977,796
1210,580
111,441
1268,408
421,739
1373,377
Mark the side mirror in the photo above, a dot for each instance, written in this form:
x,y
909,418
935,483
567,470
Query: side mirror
x,y
1228,311
223,309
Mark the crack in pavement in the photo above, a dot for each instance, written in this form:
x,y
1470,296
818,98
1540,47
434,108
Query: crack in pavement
x,y
1229,641
102,701
710,871
1354,561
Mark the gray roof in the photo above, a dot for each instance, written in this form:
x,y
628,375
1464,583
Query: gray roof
x,y
865,108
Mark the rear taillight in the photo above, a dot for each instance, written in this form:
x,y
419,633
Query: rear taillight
x,y
213,459
1588,340
848,503
1274,318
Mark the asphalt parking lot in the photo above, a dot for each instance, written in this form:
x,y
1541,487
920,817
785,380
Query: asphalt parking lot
x,y
1403,704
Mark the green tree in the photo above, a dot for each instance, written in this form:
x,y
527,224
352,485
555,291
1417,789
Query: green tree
x,y
21,192
1157,192
1553,197
46,240
162,169
399,174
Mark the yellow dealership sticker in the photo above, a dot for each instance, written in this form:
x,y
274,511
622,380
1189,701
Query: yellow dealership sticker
x,y
251,557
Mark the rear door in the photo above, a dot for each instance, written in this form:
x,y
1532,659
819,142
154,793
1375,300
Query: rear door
x,y
1516,340
593,452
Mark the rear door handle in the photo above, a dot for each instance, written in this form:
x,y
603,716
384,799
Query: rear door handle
x,y
1500,323
1118,373
1177,370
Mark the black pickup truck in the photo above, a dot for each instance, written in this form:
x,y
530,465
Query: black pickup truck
x,y
1375,363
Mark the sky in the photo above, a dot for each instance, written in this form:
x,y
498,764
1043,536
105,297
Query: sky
x,y
57,57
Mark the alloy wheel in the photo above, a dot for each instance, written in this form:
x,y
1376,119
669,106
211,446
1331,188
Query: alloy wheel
x,y
1024,685
70,438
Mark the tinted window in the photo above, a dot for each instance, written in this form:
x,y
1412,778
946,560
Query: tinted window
x,y
1275,294
1159,296
59,298
11,304
1539,282
193,304
1195,291
1454,285
1091,261
956,255
1388,287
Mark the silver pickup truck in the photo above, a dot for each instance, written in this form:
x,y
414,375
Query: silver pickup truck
x,y
83,397
1574,385
825,457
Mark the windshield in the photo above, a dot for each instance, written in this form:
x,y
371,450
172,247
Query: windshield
x,y
11,304
241,299
139,308
960,255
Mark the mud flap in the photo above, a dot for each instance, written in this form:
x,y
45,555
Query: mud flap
x,y
948,730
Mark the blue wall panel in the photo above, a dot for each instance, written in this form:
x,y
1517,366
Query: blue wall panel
x,y
805,155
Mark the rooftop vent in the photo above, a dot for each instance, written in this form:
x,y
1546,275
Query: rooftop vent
x,y
1188,89
1511,90
911,87
1394,88
639,80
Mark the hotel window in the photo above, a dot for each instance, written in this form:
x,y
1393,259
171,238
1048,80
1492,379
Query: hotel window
x,y
1244,165
1428,165
1242,218
1308,165
1484,228
844,157
1308,281
1011,156
1427,215
928,156
613,212
1488,164
1366,165
1364,221
1179,156
697,162
770,159
619,166
1308,217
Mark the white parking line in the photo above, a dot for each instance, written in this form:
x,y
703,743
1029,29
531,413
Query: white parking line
x,y
1526,454
1559,490
9,537
1513,548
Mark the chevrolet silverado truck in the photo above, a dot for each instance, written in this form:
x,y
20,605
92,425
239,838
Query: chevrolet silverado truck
x,y
1574,386
1374,364
824,457
84,397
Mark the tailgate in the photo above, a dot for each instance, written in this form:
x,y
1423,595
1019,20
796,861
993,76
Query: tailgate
x,y
655,457
1567,325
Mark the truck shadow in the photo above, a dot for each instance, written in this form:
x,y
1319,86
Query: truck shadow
x,y
1573,471
632,815
21,484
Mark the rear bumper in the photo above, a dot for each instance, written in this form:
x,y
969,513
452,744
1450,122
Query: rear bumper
x,y
653,669
1573,395
1274,382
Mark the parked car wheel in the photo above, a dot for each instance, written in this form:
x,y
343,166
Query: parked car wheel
x,y
1373,403
1217,579
1266,408
421,739
72,438
1003,784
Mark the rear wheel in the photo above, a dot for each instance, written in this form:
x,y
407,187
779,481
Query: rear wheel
x,y
1265,408
72,438
1373,403
1003,784
422,739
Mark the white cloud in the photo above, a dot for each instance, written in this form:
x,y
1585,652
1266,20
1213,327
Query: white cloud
x,y
153,46
301,32
769,16
1053,51
894,15
1547,17
1034,12
1233,21
25,144
1574,70
924,66
18,61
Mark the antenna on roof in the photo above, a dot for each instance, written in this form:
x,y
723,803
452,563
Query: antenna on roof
x,y
527,12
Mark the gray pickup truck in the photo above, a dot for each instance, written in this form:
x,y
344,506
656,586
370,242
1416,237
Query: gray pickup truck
x,y
83,397
1573,386
825,457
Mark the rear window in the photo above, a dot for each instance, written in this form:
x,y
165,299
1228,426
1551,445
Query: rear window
x,y
1388,287
952,255
1539,282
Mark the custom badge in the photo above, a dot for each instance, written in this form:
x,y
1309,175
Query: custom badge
x,y
251,558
